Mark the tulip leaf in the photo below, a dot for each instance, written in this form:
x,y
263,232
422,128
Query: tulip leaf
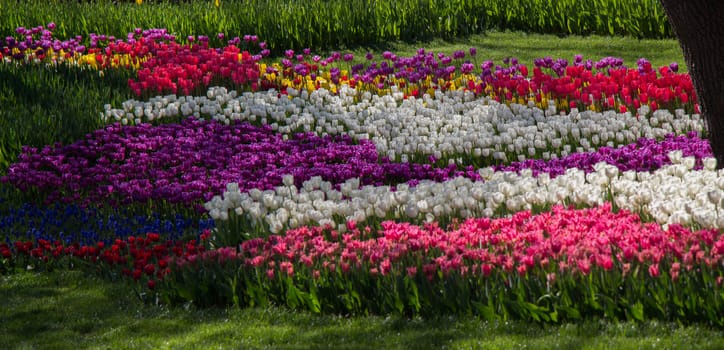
x,y
637,311
486,311
412,294
293,298
570,312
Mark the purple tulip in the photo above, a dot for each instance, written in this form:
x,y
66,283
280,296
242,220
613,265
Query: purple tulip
x,y
467,68
674,67
192,161
643,155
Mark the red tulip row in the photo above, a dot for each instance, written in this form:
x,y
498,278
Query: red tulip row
x,y
133,257
562,241
620,88
575,241
183,69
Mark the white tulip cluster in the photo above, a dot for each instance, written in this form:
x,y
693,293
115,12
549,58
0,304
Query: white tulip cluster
x,y
675,193
672,194
448,125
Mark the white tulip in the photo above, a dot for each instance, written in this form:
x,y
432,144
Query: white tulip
x,y
422,205
497,198
720,221
689,162
715,197
709,164
288,180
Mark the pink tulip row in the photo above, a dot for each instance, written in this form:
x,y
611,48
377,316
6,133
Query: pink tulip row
x,y
560,241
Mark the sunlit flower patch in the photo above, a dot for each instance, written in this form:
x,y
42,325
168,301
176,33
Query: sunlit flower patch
x,y
673,194
167,66
454,126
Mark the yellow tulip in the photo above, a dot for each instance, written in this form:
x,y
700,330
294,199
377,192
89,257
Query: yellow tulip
x,y
89,60
217,3
138,2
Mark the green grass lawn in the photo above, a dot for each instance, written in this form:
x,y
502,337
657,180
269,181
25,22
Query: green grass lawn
x,y
66,310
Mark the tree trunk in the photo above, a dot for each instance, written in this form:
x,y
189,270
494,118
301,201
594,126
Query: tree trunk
x,y
699,26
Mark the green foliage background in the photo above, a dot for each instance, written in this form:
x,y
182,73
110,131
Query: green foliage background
x,y
328,24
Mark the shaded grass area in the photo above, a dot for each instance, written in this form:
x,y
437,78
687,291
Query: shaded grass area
x,y
45,104
66,310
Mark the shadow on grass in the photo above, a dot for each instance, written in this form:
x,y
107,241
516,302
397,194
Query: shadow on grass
x,y
66,310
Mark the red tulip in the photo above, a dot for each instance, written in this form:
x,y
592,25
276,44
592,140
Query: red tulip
x,y
654,270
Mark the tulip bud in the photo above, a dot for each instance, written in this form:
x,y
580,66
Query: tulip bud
x,y
689,162
411,210
710,164
715,197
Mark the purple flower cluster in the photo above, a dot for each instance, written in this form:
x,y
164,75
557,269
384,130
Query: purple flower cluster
x,y
418,67
559,65
191,162
643,155
38,40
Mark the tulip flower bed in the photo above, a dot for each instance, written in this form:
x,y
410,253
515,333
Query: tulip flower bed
x,y
167,66
412,185
187,162
557,266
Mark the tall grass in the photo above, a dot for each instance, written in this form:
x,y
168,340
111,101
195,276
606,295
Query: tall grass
x,y
326,24
641,19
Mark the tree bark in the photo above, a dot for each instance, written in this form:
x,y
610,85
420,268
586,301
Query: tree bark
x,y
699,26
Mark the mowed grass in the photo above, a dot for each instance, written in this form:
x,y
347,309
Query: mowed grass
x,y
526,47
67,310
